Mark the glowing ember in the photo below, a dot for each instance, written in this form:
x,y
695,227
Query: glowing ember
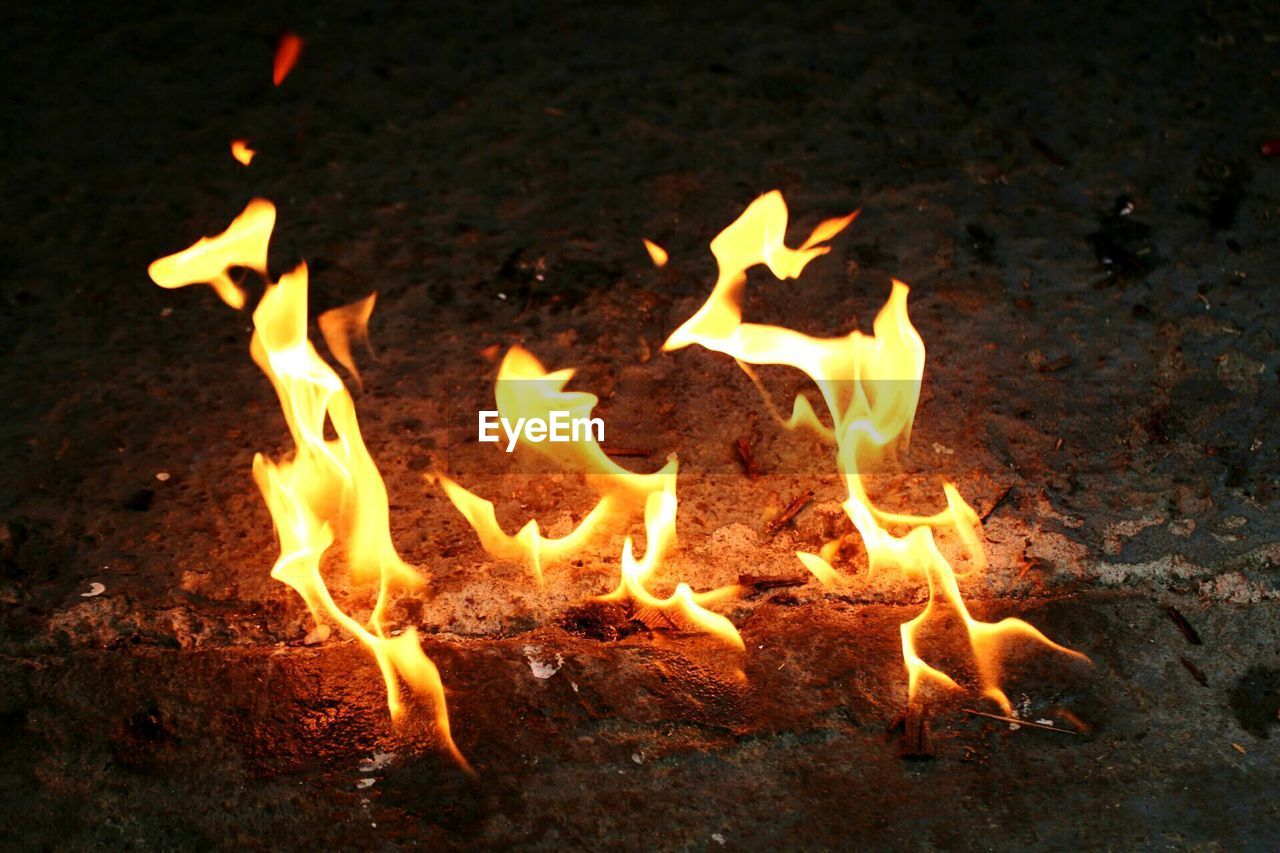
x,y
287,51
328,491
871,385
657,253
242,152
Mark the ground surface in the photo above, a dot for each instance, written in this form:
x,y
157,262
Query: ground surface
x,y
1076,197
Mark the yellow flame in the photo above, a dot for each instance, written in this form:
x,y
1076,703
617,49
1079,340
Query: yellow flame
x,y
340,326
209,260
684,606
525,389
527,545
328,491
656,253
242,152
871,386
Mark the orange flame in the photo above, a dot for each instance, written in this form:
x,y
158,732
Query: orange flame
x,y
657,253
340,326
287,51
242,152
329,491
871,386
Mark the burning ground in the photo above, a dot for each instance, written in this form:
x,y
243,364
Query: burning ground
x,y
1086,236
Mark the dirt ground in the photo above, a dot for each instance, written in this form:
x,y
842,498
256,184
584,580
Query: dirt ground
x,y
1078,200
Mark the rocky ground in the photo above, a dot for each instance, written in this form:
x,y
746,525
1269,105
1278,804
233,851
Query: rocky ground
x,y
1077,198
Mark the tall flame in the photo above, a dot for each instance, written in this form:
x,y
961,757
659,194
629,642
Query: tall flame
x,y
328,491
871,386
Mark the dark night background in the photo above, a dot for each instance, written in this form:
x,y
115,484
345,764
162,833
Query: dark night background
x,y
1077,195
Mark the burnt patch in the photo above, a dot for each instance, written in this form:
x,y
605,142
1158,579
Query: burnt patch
x,y
603,621
1122,244
981,244
1255,700
140,501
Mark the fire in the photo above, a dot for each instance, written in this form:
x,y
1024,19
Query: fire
x,y
210,260
656,253
287,51
871,386
525,389
683,606
328,491
340,326
242,152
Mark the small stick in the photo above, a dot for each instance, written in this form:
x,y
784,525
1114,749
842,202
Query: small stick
x,y
1045,151
742,447
916,744
626,451
792,510
756,585
1000,501
1054,365
1015,721
1195,671
1193,637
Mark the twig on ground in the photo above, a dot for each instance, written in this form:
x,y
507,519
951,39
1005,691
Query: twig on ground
x,y
1195,671
1193,636
792,510
742,447
1015,721
626,451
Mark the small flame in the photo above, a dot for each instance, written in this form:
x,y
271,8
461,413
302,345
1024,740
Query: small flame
x,y
242,152
871,386
243,244
657,253
525,389
528,545
683,606
340,326
287,51
328,491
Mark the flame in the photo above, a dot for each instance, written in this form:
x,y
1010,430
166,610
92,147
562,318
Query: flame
x,y
340,326
209,260
328,491
242,152
683,606
525,389
287,51
871,386
657,253
528,545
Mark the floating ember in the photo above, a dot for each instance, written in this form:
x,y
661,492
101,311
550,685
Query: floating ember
x,y
242,152
288,49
